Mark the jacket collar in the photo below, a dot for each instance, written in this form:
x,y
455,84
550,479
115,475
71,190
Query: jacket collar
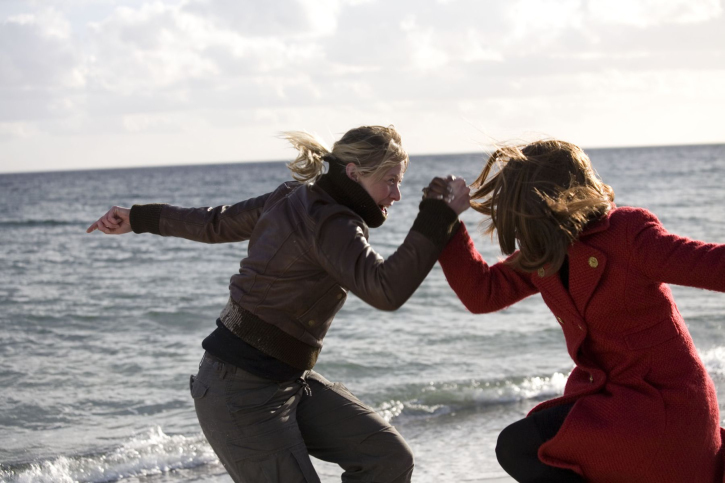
x,y
349,193
598,225
586,267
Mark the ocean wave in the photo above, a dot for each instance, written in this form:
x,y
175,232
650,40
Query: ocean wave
x,y
714,360
39,223
149,453
436,399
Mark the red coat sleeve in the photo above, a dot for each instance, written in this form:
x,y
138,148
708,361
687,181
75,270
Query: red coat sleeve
x,y
669,258
481,288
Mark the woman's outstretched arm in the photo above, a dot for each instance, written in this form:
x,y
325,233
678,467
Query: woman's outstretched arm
x,y
220,224
665,257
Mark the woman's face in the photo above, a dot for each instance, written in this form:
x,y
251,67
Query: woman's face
x,y
384,191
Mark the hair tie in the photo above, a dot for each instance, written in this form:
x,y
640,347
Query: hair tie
x,y
331,158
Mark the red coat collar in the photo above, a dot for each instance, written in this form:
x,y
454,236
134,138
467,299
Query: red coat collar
x,y
599,225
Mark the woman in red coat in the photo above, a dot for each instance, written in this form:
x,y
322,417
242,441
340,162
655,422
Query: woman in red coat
x,y
639,406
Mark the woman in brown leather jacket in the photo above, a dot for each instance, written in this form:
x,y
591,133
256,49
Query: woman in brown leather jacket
x,y
261,406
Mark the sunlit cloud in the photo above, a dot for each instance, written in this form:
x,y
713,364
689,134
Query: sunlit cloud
x,y
243,70
644,13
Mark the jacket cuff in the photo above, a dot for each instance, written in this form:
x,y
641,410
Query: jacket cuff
x,y
145,218
437,221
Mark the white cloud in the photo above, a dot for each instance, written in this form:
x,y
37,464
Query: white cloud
x,y
38,52
252,18
150,122
644,13
543,19
425,52
16,130
50,23
167,46
155,46
475,49
322,16
148,71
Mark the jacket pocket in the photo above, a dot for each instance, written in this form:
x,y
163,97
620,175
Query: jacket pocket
x,y
323,309
652,336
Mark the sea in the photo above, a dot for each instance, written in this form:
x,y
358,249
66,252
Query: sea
x,y
99,334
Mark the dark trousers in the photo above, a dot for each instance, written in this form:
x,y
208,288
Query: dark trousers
x,y
265,432
518,445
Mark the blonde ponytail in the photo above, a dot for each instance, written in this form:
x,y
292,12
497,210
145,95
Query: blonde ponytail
x,y
373,149
309,164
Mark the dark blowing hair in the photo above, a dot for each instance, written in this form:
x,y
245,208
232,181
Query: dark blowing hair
x,y
541,197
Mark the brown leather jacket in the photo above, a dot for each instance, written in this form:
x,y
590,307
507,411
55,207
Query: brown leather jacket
x,y
305,252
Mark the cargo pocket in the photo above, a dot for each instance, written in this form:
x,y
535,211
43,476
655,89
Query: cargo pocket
x,y
198,389
293,465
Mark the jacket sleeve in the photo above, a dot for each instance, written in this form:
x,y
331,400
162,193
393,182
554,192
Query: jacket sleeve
x,y
221,224
665,257
344,252
481,288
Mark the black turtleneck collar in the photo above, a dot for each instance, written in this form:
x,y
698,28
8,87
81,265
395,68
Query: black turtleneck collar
x,y
349,193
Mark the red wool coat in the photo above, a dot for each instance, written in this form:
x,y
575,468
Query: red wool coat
x,y
645,408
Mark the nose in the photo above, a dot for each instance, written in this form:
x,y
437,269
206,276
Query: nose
x,y
395,193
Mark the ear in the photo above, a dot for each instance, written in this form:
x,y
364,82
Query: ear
x,y
351,171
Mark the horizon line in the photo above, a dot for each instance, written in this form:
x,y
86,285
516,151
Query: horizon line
x,y
259,161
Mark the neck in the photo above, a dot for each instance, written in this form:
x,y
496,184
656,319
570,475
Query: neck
x,y
351,194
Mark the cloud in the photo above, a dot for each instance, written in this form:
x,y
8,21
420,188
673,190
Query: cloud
x,y
180,47
38,52
115,68
16,130
644,13
251,18
154,46
41,69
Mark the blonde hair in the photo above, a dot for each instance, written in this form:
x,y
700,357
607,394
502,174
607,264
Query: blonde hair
x,y
541,198
373,149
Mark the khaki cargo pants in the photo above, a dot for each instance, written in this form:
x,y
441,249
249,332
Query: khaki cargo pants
x,y
265,432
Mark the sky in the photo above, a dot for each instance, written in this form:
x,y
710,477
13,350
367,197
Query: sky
x,y
88,84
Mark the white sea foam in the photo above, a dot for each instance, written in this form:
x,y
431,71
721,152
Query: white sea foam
x,y
441,398
149,453
391,409
492,392
714,360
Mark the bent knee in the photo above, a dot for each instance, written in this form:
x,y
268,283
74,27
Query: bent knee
x,y
404,457
509,448
399,466
502,447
